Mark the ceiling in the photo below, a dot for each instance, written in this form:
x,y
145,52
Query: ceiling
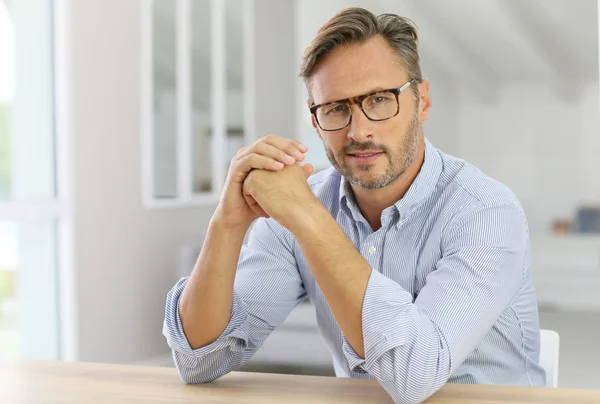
x,y
474,45
483,44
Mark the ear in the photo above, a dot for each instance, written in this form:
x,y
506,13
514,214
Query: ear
x,y
424,100
314,121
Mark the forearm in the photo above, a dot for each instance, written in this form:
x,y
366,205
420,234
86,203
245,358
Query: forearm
x,y
415,362
405,349
205,305
338,268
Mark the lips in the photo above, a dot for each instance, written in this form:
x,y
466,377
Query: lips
x,y
362,154
364,157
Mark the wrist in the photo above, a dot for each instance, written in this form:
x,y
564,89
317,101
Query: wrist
x,y
220,223
308,217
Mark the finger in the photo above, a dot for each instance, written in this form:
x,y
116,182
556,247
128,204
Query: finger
x,y
308,169
289,146
252,161
251,202
255,206
268,150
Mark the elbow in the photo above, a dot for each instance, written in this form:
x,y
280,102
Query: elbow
x,y
416,384
197,375
194,378
412,398
189,377
194,370
191,372
413,394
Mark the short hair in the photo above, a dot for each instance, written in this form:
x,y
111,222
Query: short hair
x,y
355,26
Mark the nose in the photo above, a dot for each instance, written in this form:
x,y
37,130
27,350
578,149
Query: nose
x,y
361,128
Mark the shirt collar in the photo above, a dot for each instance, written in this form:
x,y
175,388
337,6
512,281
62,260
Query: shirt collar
x,y
421,188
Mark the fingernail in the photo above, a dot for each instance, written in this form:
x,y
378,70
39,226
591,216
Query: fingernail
x,y
289,159
278,164
298,154
303,148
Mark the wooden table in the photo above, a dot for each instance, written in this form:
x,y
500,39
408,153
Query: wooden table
x,y
59,382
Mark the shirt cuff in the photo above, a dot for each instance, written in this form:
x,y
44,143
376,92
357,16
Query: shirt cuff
x,y
386,321
234,336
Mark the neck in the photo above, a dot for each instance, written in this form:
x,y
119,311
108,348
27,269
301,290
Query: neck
x,y
373,202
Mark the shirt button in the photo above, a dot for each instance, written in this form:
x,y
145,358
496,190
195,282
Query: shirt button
x,y
400,222
348,204
372,250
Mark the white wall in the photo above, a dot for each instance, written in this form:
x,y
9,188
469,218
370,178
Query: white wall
x,y
275,71
542,146
126,256
442,125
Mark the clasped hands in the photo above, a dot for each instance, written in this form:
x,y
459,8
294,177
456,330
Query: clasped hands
x,y
265,179
282,194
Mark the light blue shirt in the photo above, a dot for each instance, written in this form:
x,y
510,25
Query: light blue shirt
x,y
449,299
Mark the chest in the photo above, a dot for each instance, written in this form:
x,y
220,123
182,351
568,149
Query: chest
x,y
405,252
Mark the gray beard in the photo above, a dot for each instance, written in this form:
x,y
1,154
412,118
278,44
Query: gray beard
x,y
400,159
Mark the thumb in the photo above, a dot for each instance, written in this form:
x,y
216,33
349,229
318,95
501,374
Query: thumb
x,y
308,169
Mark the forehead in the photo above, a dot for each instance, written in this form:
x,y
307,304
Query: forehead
x,y
357,69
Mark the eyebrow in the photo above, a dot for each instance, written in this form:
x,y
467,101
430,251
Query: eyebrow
x,y
373,90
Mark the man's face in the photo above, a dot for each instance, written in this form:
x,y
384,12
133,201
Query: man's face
x,y
360,69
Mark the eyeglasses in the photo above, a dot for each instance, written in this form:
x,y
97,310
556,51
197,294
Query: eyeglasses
x,y
377,106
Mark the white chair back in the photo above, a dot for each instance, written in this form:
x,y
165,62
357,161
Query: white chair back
x,y
549,349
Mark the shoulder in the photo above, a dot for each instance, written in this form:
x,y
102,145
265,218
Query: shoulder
x,y
478,202
471,189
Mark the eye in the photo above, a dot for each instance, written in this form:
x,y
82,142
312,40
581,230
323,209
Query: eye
x,y
378,99
335,108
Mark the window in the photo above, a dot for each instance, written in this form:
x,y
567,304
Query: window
x,y
32,209
193,92
28,289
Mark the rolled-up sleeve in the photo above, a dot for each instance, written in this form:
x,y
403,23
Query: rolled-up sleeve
x,y
267,287
411,348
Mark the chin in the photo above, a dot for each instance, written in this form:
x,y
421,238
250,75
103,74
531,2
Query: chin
x,y
366,180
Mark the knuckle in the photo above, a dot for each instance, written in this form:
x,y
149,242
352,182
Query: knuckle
x,y
258,161
266,162
257,147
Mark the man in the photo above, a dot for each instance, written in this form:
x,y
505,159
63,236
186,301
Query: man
x,y
417,263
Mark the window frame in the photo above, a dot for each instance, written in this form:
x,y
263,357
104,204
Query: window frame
x,y
186,197
58,209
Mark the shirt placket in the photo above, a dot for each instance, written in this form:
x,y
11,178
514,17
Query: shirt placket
x,y
371,249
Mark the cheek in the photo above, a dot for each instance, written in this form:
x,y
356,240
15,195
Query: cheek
x,y
399,128
332,142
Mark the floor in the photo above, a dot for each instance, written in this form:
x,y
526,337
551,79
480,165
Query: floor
x,y
579,363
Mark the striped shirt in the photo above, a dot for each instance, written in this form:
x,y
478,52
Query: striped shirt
x,y
449,299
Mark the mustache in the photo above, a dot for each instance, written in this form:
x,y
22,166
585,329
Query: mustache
x,y
355,146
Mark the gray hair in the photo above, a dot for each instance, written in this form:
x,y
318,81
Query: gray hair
x,y
355,26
